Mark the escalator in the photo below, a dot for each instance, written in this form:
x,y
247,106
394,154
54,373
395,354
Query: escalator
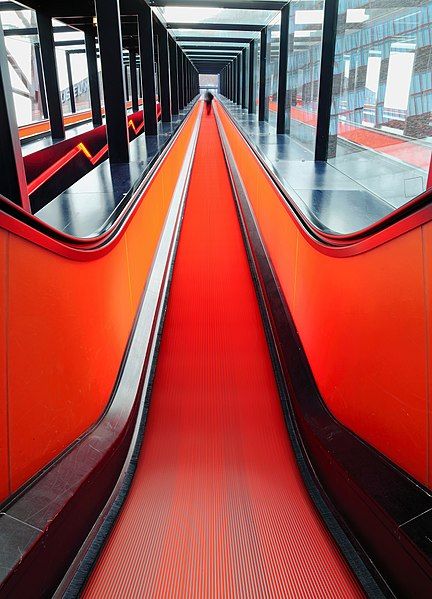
x,y
217,506
220,466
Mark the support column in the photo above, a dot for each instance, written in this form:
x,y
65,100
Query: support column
x,y
70,82
95,99
188,71
140,89
42,94
239,79
187,86
283,67
165,79
326,79
126,83
173,76
180,77
251,90
243,79
145,32
134,79
13,185
111,53
46,38
185,100
262,81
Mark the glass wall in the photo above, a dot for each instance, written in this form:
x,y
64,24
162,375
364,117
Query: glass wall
x,y
382,96
304,58
272,70
23,57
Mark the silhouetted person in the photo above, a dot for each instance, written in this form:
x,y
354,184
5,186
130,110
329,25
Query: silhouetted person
x,y
208,99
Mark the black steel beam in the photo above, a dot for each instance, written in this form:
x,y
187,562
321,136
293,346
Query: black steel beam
x,y
235,4
239,79
326,79
134,79
190,47
262,70
92,67
145,29
212,56
251,91
233,81
34,30
41,81
216,26
283,65
165,79
13,184
243,79
60,43
70,82
110,44
126,80
193,38
211,52
180,77
46,40
173,75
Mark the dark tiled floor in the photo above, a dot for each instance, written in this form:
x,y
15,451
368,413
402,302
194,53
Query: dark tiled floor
x,y
88,207
332,198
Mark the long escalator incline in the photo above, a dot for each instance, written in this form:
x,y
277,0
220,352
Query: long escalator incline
x,y
217,506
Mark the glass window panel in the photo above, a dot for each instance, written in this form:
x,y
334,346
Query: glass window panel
x,y
198,14
304,58
22,53
208,83
272,70
79,70
381,125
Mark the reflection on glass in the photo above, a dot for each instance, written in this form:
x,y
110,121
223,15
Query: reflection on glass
x,y
75,54
382,97
304,58
272,70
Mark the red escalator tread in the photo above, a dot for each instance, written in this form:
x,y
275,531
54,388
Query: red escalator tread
x,y
217,507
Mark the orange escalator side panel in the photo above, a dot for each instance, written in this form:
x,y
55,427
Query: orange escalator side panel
x,y
68,327
4,442
361,320
69,323
427,256
362,323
